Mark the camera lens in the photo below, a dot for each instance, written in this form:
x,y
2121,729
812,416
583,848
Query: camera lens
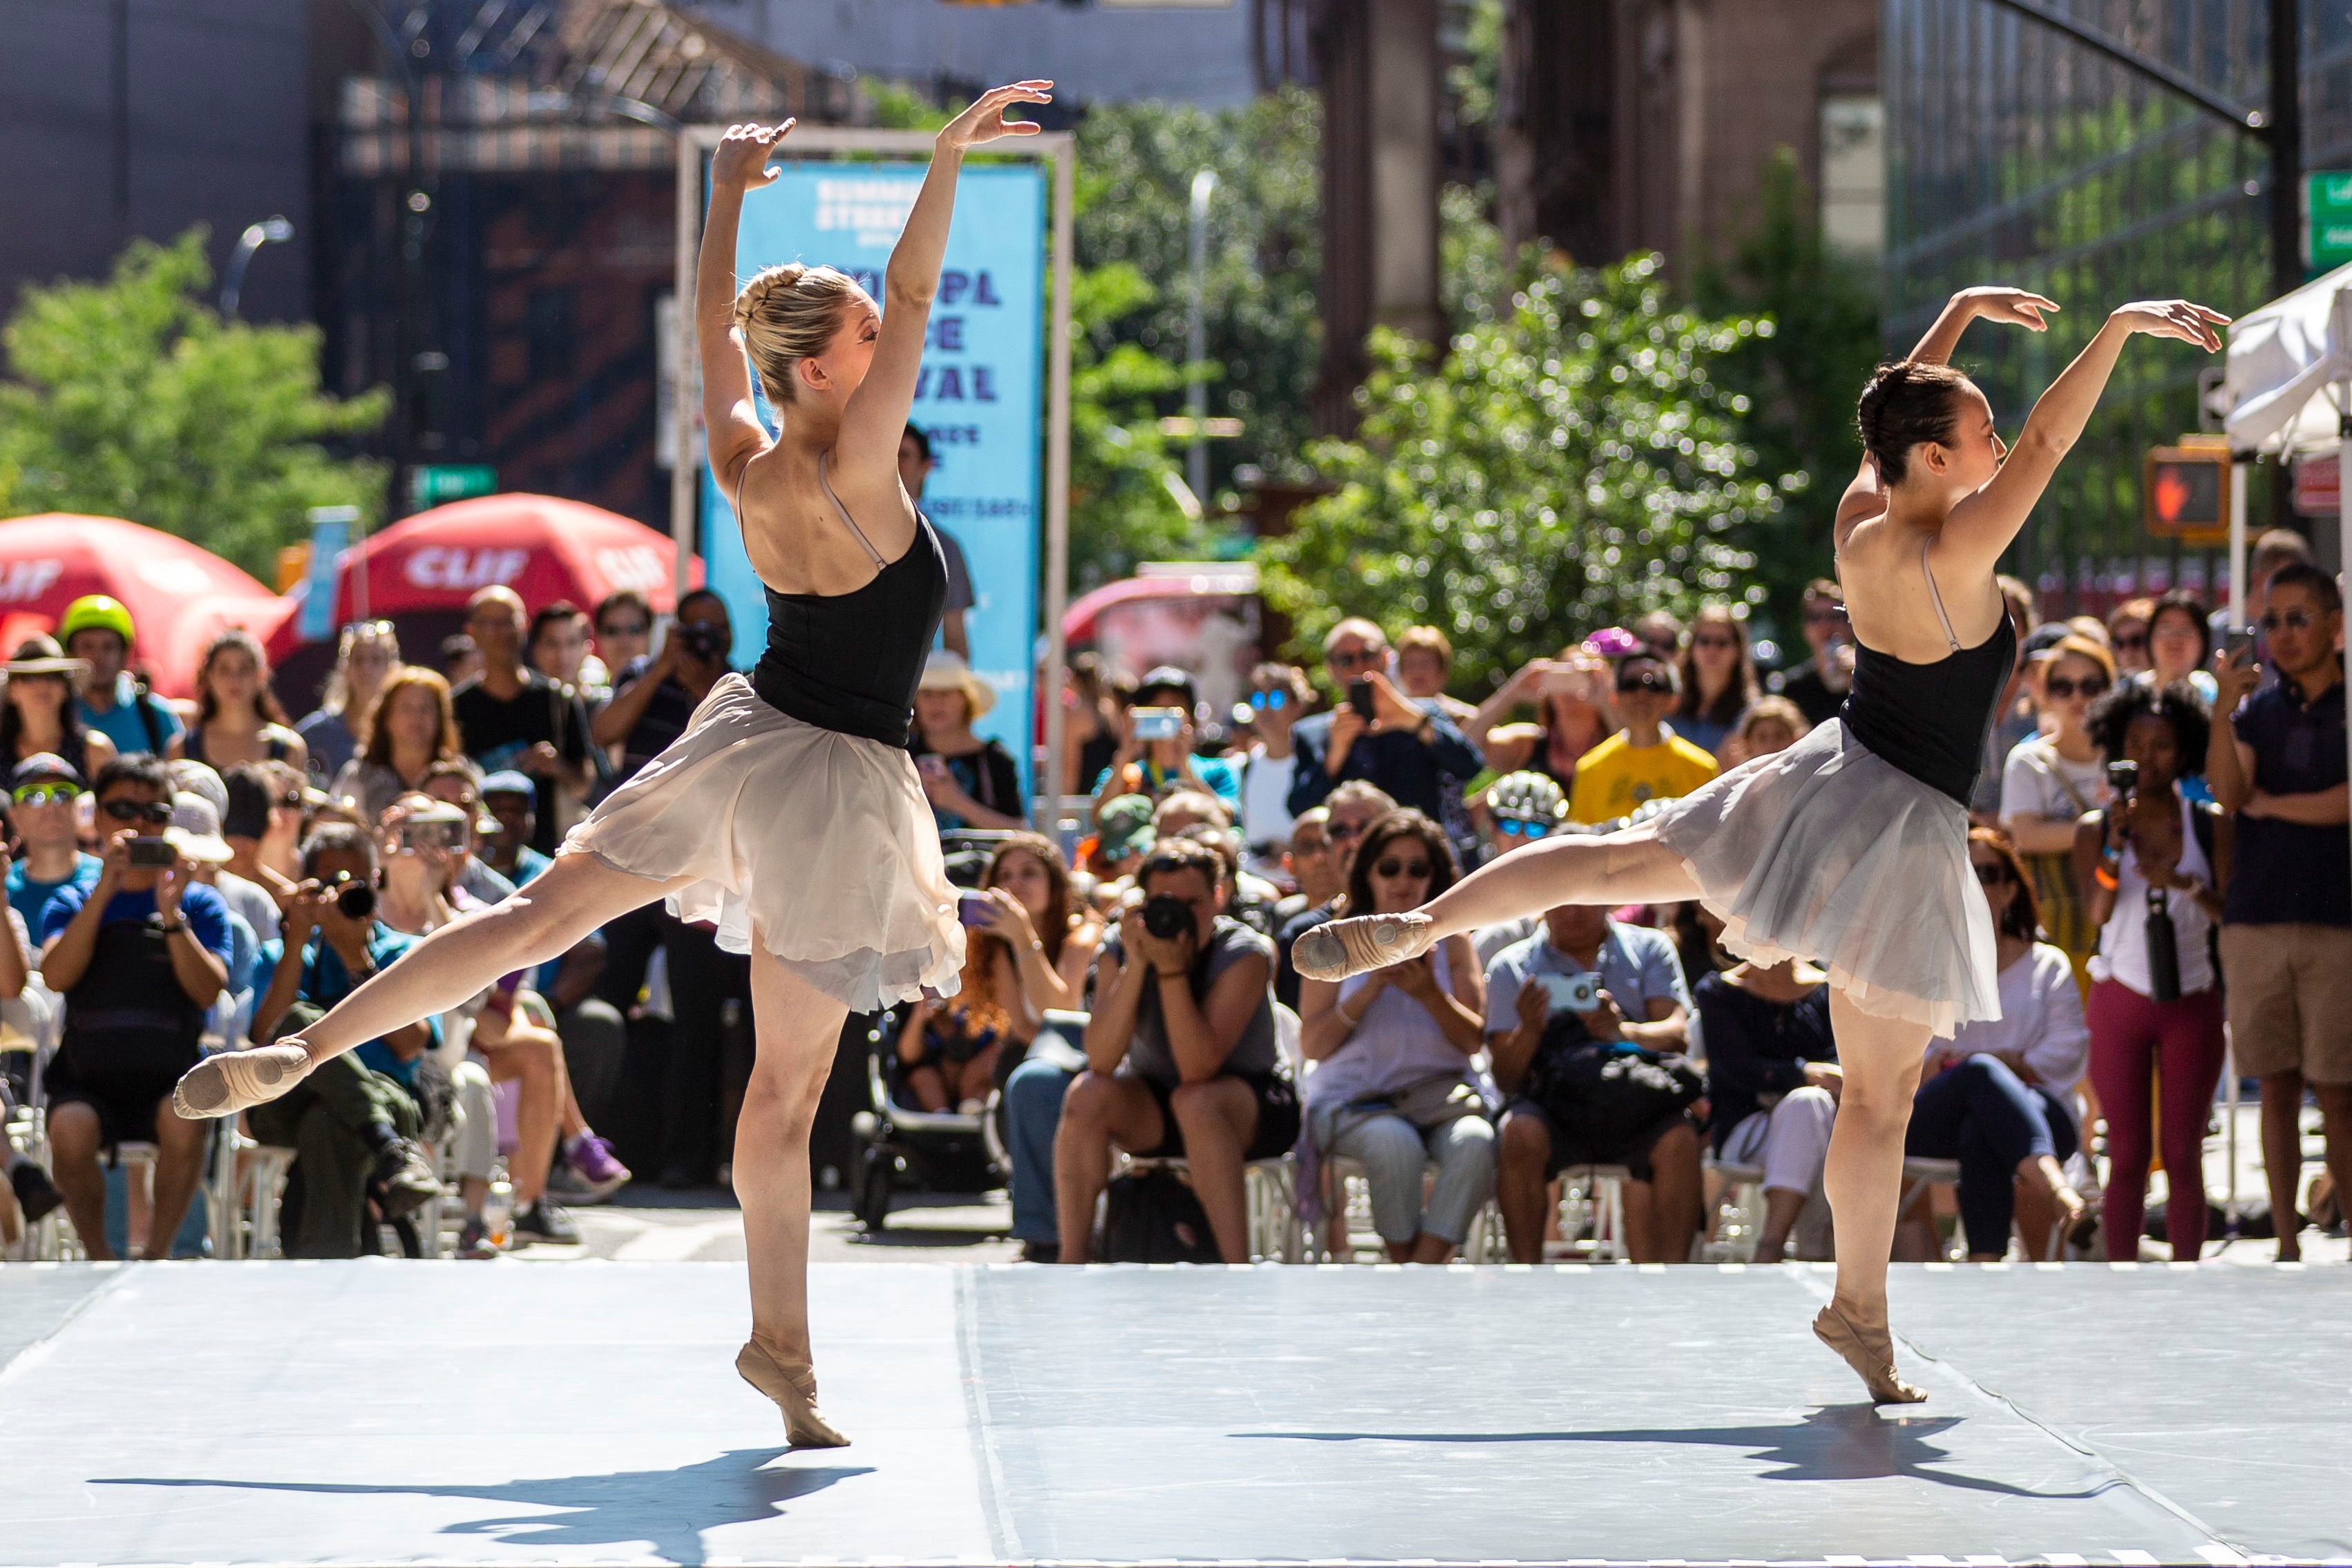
x,y
1166,917
357,902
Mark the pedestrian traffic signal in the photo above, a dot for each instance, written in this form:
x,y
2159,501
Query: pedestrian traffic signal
x,y
2185,494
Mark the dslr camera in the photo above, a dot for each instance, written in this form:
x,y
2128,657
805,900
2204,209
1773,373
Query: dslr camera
x,y
1166,916
705,643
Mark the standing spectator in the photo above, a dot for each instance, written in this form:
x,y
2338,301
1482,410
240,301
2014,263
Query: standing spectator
x,y
511,716
1277,701
1522,808
1394,1085
1645,761
365,653
970,782
1348,810
1408,748
625,629
40,716
2286,922
1818,686
2126,627
236,717
139,958
1572,698
2273,549
1771,725
915,466
2051,781
256,804
560,648
410,727
1181,1057
1091,710
654,698
1717,677
1153,767
2179,644
1996,1097
461,659
2153,866
42,794
1639,1001
1773,1084
97,629
1424,666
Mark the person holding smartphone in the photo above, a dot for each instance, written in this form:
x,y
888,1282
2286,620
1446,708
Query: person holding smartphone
x,y
1155,746
1406,747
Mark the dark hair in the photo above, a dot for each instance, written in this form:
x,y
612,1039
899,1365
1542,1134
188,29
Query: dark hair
x,y
549,615
250,797
333,837
696,596
2323,586
2278,544
1742,690
1401,823
1169,679
1904,403
2185,603
629,599
920,437
73,740
1056,924
1180,853
2022,916
133,767
266,708
2177,705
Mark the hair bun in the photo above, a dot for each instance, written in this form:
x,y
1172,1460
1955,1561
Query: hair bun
x,y
763,282
1904,403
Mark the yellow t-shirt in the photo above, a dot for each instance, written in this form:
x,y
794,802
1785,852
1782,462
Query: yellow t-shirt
x,y
1613,778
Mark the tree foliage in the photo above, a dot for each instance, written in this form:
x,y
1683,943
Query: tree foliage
x,y
132,398
1569,464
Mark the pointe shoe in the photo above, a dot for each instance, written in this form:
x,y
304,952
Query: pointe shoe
x,y
228,1082
794,1391
1338,948
1871,1353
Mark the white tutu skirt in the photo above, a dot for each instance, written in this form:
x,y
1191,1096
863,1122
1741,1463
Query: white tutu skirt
x,y
1828,851
820,843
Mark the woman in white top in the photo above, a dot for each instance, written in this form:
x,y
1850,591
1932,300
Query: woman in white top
x,y
2153,870
1277,700
1391,1082
2052,780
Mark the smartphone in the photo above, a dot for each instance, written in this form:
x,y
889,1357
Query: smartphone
x,y
424,835
1575,993
1359,698
2236,645
971,908
152,851
1159,723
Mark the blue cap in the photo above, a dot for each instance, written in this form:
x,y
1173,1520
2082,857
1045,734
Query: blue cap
x,y
507,782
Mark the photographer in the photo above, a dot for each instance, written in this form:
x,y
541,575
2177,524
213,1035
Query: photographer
x,y
1571,696
352,1122
1181,1054
138,956
1408,748
1584,978
1155,747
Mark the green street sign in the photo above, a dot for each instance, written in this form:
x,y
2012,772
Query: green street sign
x,y
431,483
2327,219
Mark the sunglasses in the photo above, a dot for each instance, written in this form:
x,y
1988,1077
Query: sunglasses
x,y
1647,680
2131,644
1359,660
1991,874
1339,830
1522,827
1263,700
1401,868
155,811
2089,685
2294,620
46,794
1714,641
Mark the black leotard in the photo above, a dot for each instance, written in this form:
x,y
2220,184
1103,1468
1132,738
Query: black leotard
x,y
1932,721
849,662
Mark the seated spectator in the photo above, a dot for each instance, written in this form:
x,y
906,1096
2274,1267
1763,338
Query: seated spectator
x,y
1522,808
27,1196
2286,927
1818,686
42,793
354,1121
366,652
1348,811
475,883
1189,814
139,956
2051,781
1718,679
512,715
236,716
2153,868
1394,1085
410,728
1180,1055
1277,701
1772,1082
971,782
251,818
253,914
1378,734
1645,761
1638,1000
291,802
39,715
1154,765
1573,696
1998,1096
1311,866
1122,837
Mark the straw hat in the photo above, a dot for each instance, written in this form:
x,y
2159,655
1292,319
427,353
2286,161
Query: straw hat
x,y
41,656
947,671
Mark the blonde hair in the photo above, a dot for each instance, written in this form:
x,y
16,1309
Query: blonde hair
x,y
787,314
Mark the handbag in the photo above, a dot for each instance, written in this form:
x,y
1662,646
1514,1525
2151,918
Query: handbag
x,y
1602,1094
1154,1216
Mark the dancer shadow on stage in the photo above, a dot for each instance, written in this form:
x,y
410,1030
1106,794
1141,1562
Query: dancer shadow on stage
x,y
669,1510
1836,1443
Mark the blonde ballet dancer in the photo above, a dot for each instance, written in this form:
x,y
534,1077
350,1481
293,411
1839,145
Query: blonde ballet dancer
x,y
788,813
1850,849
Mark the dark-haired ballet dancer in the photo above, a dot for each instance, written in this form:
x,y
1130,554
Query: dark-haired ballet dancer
x,y
1850,848
788,813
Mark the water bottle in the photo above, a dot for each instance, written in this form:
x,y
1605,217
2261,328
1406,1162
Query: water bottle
x,y
497,1214
2163,949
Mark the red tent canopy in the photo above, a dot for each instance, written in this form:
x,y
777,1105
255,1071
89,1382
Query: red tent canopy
x,y
179,595
542,548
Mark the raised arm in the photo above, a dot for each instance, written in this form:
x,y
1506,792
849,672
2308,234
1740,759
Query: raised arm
x,y
866,450
728,415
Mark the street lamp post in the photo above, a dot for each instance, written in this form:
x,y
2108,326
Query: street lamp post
x,y
272,230
1196,348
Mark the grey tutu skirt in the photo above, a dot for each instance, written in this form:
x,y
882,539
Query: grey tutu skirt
x,y
819,845
1829,852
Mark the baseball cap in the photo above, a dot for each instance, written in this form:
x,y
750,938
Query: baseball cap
x,y
509,781
1125,826
43,764
195,829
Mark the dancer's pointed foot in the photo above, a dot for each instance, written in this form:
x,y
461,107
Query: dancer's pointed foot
x,y
793,1388
228,1082
1338,948
1871,1352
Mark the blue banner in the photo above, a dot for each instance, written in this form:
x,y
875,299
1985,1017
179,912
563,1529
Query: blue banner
x,y
979,394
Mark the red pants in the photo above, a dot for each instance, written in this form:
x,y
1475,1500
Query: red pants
x,y
2179,1043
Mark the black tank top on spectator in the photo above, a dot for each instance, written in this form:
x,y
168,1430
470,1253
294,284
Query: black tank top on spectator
x,y
192,746
1932,720
130,1029
849,662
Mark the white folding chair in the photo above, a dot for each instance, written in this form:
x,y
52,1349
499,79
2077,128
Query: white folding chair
x,y
1592,1212
1736,1215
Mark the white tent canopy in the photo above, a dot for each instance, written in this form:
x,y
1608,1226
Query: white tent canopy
x,y
2288,362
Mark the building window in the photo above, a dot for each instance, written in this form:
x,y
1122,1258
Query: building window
x,y
1853,174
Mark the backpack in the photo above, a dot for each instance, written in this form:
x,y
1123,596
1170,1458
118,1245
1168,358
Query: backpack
x,y
1153,1217
1602,1094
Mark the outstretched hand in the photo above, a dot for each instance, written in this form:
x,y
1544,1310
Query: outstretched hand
x,y
741,159
985,121
2011,307
2173,318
